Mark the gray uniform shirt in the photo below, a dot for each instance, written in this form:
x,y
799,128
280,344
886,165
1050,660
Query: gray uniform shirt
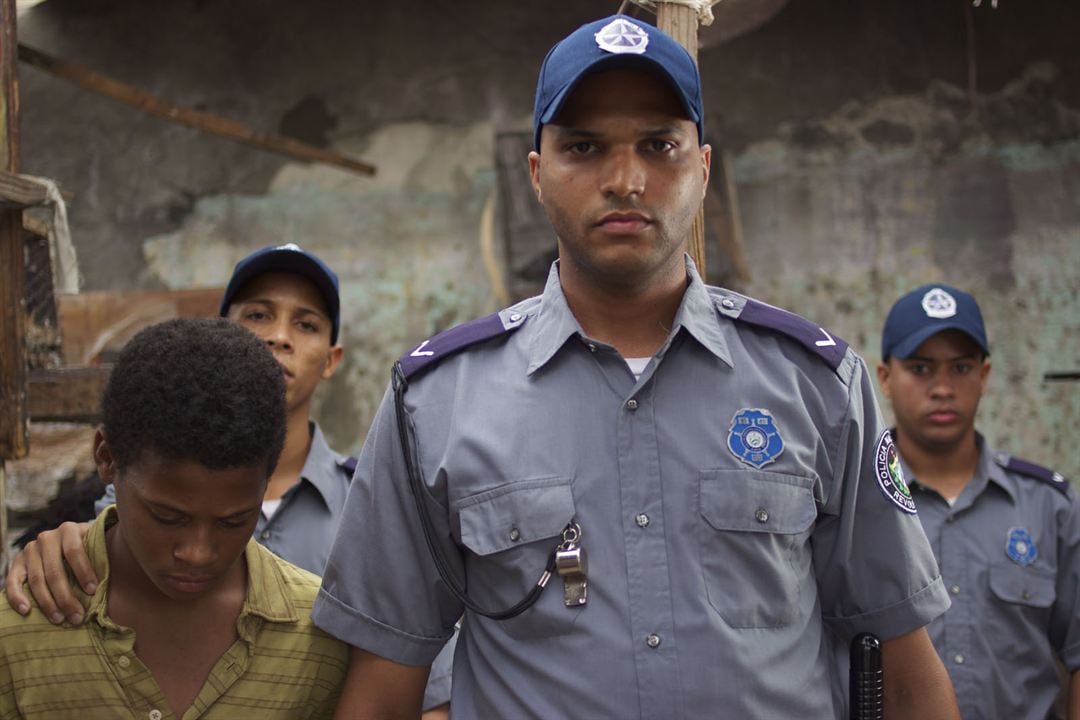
x,y
711,573
1009,551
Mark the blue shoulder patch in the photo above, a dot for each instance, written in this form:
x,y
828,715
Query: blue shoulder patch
x,y
1037,472
814,338
456,339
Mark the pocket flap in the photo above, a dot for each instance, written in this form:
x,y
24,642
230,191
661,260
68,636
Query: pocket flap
x,y
515,514
756,501
1029,585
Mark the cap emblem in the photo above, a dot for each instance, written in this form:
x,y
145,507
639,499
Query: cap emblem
x,y
938,304
622,36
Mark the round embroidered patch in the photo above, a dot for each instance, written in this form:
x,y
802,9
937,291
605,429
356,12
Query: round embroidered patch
x,y
890,476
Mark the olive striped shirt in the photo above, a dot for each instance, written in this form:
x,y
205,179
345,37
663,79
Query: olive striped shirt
x,y
282,666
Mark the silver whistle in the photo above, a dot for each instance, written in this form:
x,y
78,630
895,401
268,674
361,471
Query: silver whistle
x,y
573,567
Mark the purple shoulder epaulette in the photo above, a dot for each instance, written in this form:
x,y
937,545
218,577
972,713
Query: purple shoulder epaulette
x,y
448,342
814,338
349,465
1033,471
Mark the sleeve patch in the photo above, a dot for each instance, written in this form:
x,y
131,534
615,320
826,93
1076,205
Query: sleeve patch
x,y
449,342
814,338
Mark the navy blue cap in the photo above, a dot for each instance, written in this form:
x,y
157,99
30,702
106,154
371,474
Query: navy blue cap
x,y
615,42
290,258
926,311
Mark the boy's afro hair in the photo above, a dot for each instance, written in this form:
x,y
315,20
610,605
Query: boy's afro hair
x,y
206,390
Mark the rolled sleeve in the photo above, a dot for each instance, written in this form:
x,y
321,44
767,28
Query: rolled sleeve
x,y
381,591
876,571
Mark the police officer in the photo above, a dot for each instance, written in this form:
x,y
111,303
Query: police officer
x,y
1006,532
288,297
721,463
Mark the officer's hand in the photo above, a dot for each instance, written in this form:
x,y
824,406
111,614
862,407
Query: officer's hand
x,y
42,563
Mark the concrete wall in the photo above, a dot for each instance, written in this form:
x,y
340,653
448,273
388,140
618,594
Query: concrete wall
x,y
862,165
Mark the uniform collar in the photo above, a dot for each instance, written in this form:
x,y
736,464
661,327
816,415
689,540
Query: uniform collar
x,y
266,595
323,469
555,323
986,472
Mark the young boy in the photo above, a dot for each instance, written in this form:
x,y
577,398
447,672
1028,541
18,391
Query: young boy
x,y
191,618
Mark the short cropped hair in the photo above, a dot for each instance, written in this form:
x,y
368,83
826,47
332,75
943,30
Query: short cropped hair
x,y
203,390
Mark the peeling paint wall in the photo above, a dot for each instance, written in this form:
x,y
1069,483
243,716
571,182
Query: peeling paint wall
x,y
861,168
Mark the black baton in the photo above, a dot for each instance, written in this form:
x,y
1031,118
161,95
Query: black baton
x,y
867,689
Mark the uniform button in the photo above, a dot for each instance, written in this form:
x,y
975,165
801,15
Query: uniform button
x,y
1026,594
958,659
515,534
515,317
592,347
955,589
653,641
265,535
762,515
123,661
950,518
728,303
642,520
631,404
155,714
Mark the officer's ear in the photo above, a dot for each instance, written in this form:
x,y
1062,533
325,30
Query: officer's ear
x,y
104,458
883,377
333,359
534,173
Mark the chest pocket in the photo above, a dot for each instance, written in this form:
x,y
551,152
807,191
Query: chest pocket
x,y
1030,586
510,532
754,544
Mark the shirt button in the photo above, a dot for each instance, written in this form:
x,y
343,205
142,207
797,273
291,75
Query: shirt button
x,y
1026,594
762,515
958,659
515,317
515,534
123,661
642,520
653,641
728,303
265,535
155,714
950,518
592,347
631,404
955,589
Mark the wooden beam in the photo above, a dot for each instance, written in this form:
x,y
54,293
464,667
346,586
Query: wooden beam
x,y
681,22
67,394
206,122
14,441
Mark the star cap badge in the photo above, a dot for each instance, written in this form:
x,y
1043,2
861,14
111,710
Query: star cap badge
x,y
937,303
621,37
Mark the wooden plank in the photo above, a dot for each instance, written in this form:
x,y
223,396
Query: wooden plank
x,y
67,394
206,122
681,23
97,323
14,442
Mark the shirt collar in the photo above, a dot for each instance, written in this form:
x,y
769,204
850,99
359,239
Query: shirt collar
x,y
555,322
986,472
266,595
323,469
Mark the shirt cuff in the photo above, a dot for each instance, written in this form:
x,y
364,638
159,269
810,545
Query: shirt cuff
x,y
899,619
359,630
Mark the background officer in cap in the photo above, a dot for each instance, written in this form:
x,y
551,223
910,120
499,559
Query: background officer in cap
x,y
289,298
717,459
1006,532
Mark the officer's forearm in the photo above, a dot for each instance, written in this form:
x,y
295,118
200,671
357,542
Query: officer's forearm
x,y
917,687
379,688
1074,696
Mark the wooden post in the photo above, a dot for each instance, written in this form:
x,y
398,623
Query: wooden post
x,y
13,430
681,23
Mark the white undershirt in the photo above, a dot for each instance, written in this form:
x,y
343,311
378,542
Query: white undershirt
x,y
269,507
637,365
